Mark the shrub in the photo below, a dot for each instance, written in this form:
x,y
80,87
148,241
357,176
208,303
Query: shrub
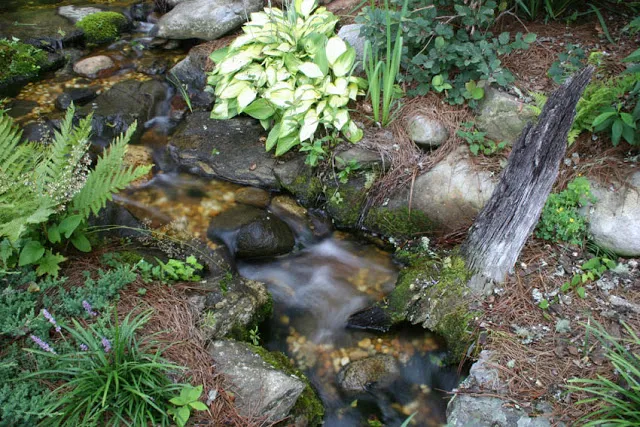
x,y
113,379
102,27
448,48
18,59
292,73
47,192
619,401
560,219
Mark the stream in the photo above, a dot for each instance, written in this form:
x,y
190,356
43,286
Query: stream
x,y
315,288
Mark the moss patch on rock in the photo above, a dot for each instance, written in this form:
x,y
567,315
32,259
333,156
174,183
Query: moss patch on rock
x,y
434,293
345,202
19,60
242,332
399,223
102,27
308,407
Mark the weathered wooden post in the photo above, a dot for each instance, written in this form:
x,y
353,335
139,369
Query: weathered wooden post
x,y
501,229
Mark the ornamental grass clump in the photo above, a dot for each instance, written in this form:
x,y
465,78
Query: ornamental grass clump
x,y
291,72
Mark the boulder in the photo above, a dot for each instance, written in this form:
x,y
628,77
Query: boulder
x,y
614,220
191,71
226,149
427,132
478,411
367,159
379,371
251,233
351,34
75,13
92,66
205,19
114,111
450,194
502,116
79,96
261,389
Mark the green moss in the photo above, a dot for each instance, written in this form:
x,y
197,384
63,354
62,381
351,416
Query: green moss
x,y
398,222
306,188
345,202
19,60
308,405
434,293
102,27
264,312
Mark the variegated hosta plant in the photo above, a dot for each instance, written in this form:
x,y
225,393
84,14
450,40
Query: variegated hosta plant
x,y
291,72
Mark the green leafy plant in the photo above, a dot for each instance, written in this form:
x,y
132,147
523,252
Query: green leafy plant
x,y
184,93
618,123
114,378
619,399
173,269
254,336
446,46
381,74
47,192
189,399
572,59
316,149
19,59
292,73
591,270
478,141
348,168
102,27
560,220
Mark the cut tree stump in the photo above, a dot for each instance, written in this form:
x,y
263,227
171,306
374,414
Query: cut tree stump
x,y
501,229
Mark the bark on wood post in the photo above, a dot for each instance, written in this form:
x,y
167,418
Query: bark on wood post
x,y
501,229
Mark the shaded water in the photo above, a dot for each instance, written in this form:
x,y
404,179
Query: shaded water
x,y
315,289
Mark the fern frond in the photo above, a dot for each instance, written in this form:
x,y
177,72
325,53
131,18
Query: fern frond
x,y
573,134
108,177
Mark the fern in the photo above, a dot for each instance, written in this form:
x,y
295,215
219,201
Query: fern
x,y
108,177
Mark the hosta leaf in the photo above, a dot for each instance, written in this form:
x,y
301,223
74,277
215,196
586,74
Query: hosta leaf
x,y
306,93
282,97
309,125
218,55
305,7
221,110
335,48
287,143
233,90
288,126
353,133
338,101
234,63
292,63
311,70
246,97
272,139
283,74
344,63
341,119
260,109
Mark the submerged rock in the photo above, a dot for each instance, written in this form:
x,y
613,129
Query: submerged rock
x,y
614,220
77,96
502,116
265,385
205,19
92,66
379,371
249,232
253,196
227,149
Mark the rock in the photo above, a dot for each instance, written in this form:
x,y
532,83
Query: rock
x,y
71,56
42,27
141,11
427,132
152,66
450,194
378,371
367,159
253,197
20,107
139,155
477,411
251,233
298,179
205,19
114,111
614,220
191,71
75,13
42,130
227,149
351,34
79,96
285,205
92,66
502,116
261,390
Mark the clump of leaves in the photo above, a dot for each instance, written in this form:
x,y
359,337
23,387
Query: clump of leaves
x,y
619,399
572,59
447,46
591,270
291,72
189,399
560,220
174,270
478,141
19,59
348,168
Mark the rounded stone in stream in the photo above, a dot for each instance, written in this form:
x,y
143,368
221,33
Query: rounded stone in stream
x,y
251,233
378,371
253,197
79,96
152,66
90,67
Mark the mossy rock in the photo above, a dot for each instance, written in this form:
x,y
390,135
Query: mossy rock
x,y
399,222
103,27
308,407
19,61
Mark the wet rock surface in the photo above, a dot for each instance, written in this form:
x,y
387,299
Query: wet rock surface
x,y
91,67
373,372
77,96
227,149
205,19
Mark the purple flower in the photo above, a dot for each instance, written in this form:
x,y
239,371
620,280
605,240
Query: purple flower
x,y
84,347
87,307
51,320
43,345
106,344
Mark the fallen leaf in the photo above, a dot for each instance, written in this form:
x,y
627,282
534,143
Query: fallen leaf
x,y
253,167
